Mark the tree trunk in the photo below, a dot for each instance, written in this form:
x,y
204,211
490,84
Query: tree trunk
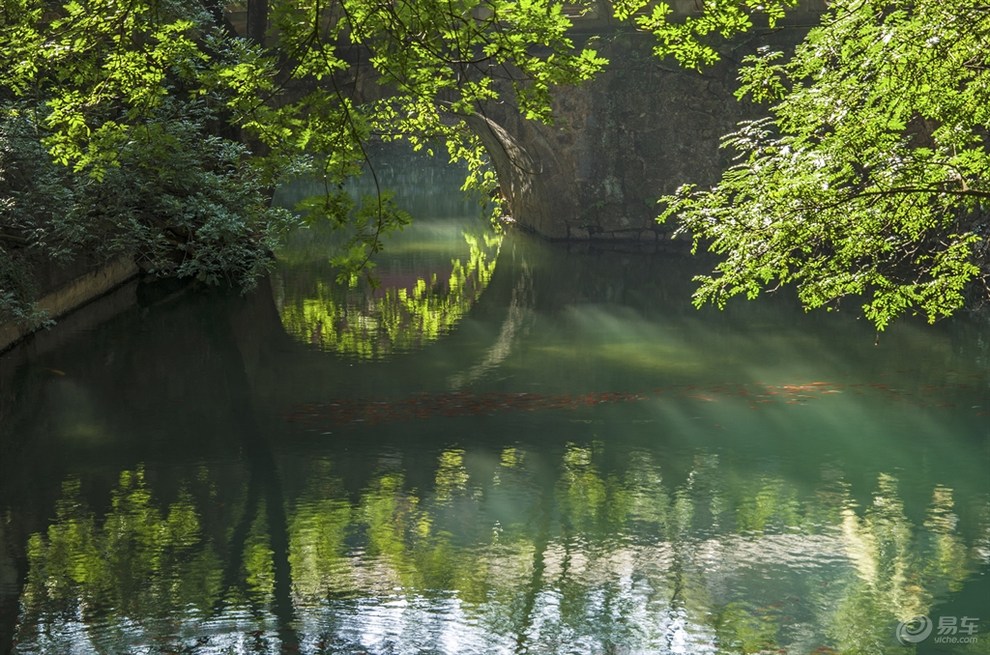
x,y
257,20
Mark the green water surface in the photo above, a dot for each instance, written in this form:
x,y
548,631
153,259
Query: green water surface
x,y
506,447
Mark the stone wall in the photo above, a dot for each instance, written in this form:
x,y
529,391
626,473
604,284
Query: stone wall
x,y
636,132
67,289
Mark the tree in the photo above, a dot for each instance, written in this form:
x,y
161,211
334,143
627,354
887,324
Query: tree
x,y
871,177
102,83
95,75
111,144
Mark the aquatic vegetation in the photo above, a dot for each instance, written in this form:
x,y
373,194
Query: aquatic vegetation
x,y
466,403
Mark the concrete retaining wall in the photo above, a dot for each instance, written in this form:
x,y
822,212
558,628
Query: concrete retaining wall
x,y
74,294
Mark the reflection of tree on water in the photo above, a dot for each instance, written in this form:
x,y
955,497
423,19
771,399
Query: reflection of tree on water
x,y
127,572
510,552
265,557
901,569
409,309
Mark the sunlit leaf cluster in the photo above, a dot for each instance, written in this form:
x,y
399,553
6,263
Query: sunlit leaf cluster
x,y
868,179
871,177
693,39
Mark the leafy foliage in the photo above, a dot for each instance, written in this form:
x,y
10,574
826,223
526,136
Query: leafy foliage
x,y
30,193
185,203
688,40
115,140
868,179
145,102
871,178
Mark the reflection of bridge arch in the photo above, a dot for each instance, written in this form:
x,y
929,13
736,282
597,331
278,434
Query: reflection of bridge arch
x,y
273,356
403,310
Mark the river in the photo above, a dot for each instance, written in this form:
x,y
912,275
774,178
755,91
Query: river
x,y
507,446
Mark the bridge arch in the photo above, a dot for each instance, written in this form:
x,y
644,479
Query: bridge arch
x,y
637,131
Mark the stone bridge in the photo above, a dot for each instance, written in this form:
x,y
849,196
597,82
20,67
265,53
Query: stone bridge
x,y
636,132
